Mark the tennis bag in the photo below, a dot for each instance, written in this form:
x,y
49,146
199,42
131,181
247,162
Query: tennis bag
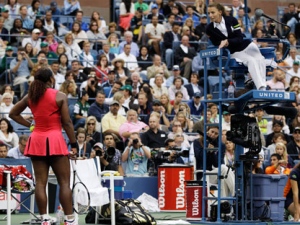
x,y
129,212
21,179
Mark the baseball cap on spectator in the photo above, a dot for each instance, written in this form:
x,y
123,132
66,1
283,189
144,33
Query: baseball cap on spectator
x,y
8,48
99,145
277,122
5,9
44,44
227,8
296,63
114,102
203,16
154,6
126,87
53,4
226,113
36,31
156,102
176,67
296,129
197,95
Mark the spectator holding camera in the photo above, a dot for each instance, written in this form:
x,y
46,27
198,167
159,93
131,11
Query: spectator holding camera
x,y
212,164
111,159
91,85
97,150
19,66
136,155
173,157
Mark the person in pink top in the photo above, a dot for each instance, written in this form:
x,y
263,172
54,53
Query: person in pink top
x,y
278,80
132,125
46,145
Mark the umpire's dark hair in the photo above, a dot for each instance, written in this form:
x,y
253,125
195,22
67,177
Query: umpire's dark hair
x,y
218,6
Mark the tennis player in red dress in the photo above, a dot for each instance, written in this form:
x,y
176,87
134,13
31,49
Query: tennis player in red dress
x,y
46,145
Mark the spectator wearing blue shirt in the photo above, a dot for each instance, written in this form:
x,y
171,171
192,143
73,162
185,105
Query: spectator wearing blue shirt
x,y
196,105
136,155
244,18
55,12
27,22
78,18
71,7
190,14
18,151
19,66
98,108
128,35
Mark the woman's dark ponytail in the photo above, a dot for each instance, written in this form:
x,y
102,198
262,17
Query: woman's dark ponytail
x,y
38,87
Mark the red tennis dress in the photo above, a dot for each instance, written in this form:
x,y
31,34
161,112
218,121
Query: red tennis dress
x,y
46,138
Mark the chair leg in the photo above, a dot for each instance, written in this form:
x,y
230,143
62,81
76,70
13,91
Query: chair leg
x,y
8,211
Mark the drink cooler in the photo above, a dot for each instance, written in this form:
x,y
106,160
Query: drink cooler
x,y
119,185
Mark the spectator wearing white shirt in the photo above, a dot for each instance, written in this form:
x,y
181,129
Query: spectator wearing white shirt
x,y
159,87
34,40
79,35
59,78
155,32
129,59
72,48
7,134
226,121
294,71
86,56
6,105
8,21
18,151
14,8
34,10
176,87
292,56
128,36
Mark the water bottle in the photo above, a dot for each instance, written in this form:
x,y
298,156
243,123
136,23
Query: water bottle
x,y
230,90
60,216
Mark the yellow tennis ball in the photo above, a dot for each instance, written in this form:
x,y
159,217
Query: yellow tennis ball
x,y
31,128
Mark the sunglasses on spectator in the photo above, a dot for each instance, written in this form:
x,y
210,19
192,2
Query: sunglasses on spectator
x,y
91,124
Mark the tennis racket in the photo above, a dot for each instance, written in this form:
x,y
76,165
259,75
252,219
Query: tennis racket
x,y
80,193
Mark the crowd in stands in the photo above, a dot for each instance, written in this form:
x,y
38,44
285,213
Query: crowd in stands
x,y
136,84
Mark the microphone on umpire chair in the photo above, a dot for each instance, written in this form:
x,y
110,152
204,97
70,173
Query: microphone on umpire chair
x,y
260,12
